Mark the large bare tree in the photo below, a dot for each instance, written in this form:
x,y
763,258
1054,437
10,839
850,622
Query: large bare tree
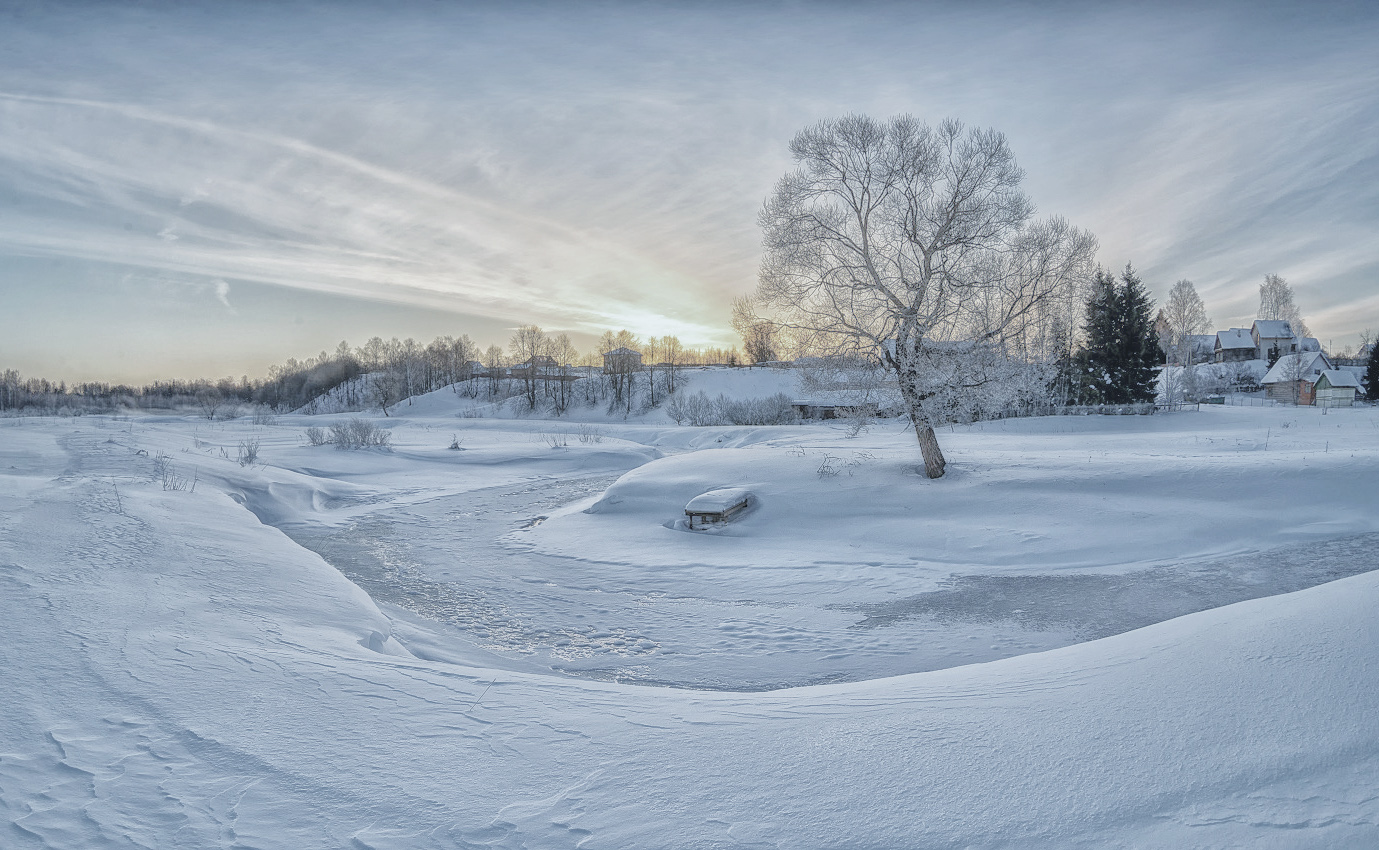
x,y
915,244
1184,317
1276,302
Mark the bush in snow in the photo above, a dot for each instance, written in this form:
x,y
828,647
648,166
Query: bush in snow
x,y
698,410
359,433
248,452
317,436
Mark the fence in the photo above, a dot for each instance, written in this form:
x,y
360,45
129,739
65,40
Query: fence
x,y
1249,401
1139,409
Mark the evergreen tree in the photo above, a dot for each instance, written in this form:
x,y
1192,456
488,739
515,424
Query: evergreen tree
x,y
1372,374
1097,359
1119,360
1138,339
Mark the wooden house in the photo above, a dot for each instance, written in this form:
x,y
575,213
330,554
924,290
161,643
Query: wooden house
x,y
1293,379
1235,345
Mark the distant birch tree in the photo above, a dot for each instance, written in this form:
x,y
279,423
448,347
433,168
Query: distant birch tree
x,y
1184,316
1276,302
915,244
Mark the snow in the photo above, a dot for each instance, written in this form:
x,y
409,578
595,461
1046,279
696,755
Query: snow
x,y
1235,338
1273,329
1340,378
1096,631
718,501
1309,364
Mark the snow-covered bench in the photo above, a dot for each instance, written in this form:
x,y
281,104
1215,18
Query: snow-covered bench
x,y
717,505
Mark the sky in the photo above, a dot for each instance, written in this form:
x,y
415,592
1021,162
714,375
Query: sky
x,y
206,189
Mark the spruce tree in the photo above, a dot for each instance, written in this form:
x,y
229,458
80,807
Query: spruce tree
x,y
1120,358
1372,374
1097,359
1139,340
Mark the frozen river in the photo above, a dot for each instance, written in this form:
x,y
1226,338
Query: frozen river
x,y
452,562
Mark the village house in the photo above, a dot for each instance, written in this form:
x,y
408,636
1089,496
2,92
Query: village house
x,y
1235,345
1273,338
1292,380
540,366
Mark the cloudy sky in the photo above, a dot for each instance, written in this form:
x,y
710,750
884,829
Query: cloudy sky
x,y
208,188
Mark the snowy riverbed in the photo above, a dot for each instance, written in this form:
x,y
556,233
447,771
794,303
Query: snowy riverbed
x,y
515,643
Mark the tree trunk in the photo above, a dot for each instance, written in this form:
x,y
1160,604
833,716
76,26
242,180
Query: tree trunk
x,y
928,446
928,442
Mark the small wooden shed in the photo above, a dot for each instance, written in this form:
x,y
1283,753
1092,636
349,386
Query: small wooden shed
x,y
1336,388
717,505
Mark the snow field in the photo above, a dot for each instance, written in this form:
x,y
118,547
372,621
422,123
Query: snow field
x,y
189,676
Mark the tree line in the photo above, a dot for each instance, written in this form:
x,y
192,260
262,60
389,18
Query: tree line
x,y
382,372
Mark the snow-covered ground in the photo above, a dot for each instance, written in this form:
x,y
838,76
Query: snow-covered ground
x,y
1095,631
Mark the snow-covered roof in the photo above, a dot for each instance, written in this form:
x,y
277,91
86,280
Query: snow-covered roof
x,y
621,351
1310,343
717,501
1273,329
1340,378
1287,368
1234,338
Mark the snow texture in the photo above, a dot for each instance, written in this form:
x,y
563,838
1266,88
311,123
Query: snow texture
x,y
1094,632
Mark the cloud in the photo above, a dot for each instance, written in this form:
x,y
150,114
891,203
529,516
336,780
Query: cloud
x,y
586,167
268,208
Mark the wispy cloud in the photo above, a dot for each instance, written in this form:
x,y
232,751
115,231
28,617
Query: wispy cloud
x,y
135,186
591,166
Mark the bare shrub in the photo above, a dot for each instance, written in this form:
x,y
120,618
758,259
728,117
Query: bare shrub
x,y
859,420
359,433
317,436
248,452
590,434
698,410
455,443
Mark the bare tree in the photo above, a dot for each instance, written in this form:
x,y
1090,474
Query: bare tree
x,y
1276,302
528,347
210,400
758,334
674,354
916,245
493,363
1184,315
564,353
387,387
623,370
